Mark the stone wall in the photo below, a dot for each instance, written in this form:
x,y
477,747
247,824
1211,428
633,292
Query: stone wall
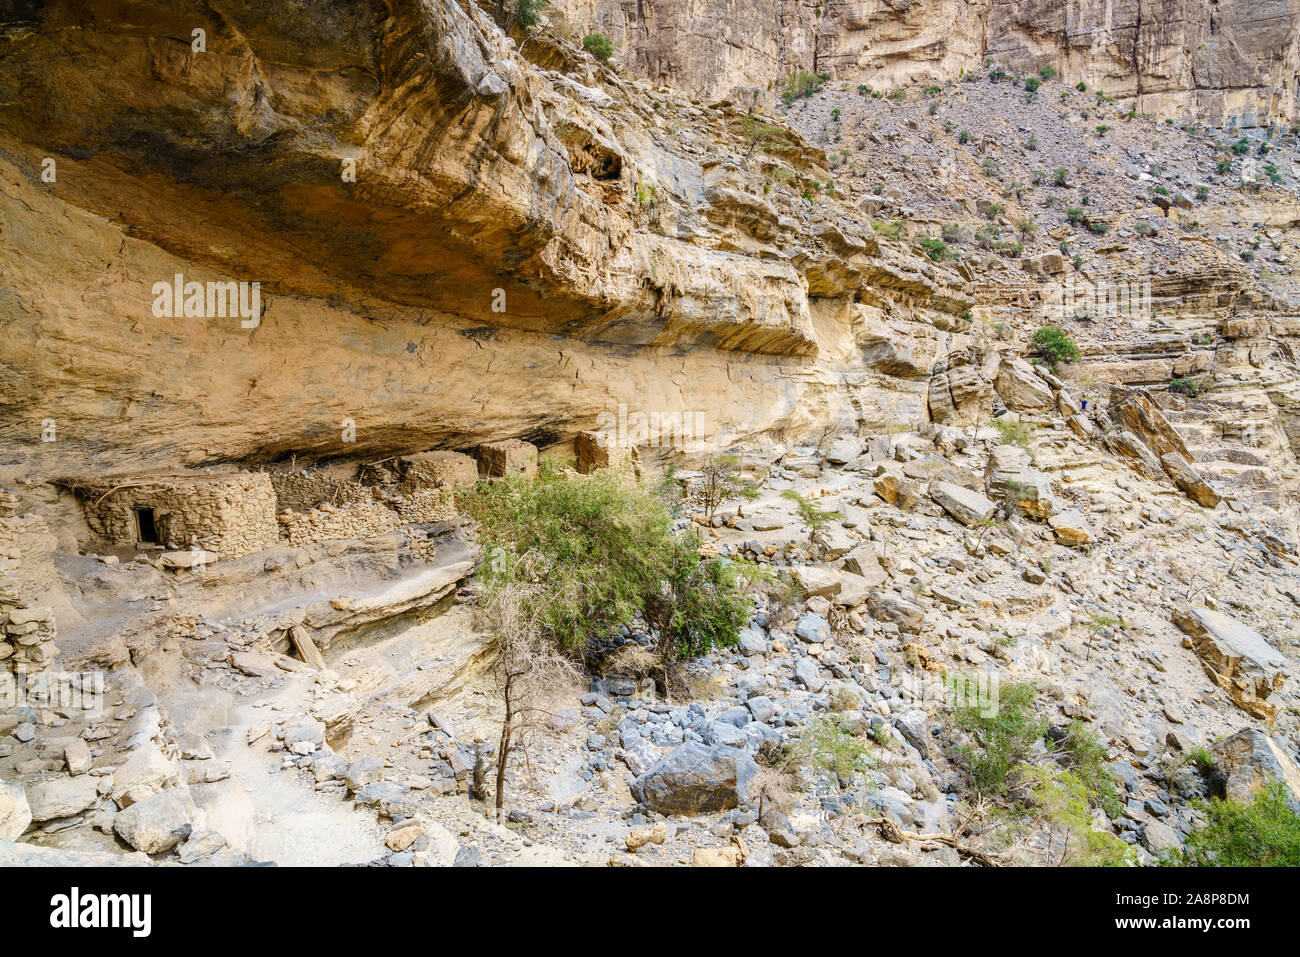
x,y
308,488
27,626
363,519
231,515
437,470
427,505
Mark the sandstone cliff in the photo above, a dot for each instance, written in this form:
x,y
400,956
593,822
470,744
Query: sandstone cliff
x,y
1219,62
510,230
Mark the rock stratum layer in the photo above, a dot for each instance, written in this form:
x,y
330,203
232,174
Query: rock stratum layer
x,y
509,232
1211,60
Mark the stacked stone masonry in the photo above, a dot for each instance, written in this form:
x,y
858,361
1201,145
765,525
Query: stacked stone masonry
x,y
231,515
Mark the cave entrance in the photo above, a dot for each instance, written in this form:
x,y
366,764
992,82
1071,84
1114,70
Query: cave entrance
x,y
146,526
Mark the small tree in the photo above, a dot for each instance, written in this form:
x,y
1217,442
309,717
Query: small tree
x,y
812,515
599,46
721,482
1054,345
526,662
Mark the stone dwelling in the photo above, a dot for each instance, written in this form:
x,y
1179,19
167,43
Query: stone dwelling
x,y
231,514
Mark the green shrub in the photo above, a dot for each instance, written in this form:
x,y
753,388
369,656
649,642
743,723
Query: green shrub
x,y
1263,833
936,249
1083,754
599,551
1054,345
1047,73
1061,176
825,744
1074,214
963,137
1032,84
892,230
1001,740
799,84
599,46
1014,433
812,515
1062,800
527,13
1186,385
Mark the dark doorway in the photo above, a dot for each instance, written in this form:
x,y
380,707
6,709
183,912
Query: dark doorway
x,y
146,526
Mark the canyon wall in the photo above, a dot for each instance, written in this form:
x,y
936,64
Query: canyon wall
x,y
1215,61
452,244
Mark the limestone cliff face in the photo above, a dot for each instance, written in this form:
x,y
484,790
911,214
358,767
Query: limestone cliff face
x,y
453,244
1213,60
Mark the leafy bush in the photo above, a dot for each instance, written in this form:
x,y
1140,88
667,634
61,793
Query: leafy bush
x,y
936,249
1263,833
800,84
1083,754
1032,84
1190,387
1062,800
812,515
1061,176
825,744
1001,740
892,230
1074,214
1048,73
1014,433
527,13
963,137
1054,345
599,551
599,46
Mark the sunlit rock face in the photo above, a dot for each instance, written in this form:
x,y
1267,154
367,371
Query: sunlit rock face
x,y
334,228
1216,61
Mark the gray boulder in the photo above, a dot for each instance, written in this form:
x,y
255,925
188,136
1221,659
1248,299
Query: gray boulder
x,y
61,797
697,779
157,823
1249,760
963,504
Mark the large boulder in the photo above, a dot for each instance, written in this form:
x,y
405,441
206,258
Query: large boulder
x,y
15,814
1128,446
61,797
695,779
864,562
963,504
1190,481
1134,411
145,773
894,487
1009,478
886,606
1249,760
1071,528
959,393
1237,658
157,823
817,580
1022,389
844,450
